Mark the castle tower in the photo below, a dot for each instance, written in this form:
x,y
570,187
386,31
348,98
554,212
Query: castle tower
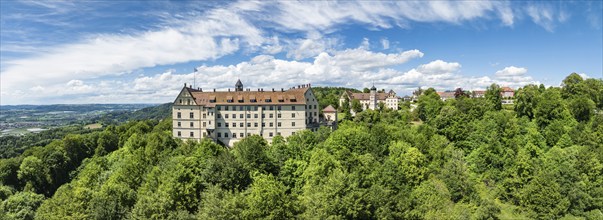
x,y
239,86
373,98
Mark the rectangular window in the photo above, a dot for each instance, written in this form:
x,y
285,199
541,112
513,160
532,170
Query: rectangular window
x,y
241,109
271,115
264,108
270,134
255,115
219,115
255,124
240,134
271,124
278,124
179,115
204,125
219,124
225,134
225,115
263,115
234,115
279,107
225,109
234,135
248,124
315,107
203,115
293,107
278,115
234,125
179,124
226,124
292,124
219,108
219,134
241,124
192,124
263,124
248,108
192,134
240,115
315,114
248,115
248,134
278,133
293,115
271,108
179,134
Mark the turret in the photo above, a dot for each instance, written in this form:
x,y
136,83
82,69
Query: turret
x,y
239,86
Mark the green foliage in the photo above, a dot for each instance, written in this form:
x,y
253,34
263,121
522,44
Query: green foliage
x,y
494,96
21,205
429,105
467,161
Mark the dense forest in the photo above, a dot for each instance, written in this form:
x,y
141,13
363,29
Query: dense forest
x,y
467,158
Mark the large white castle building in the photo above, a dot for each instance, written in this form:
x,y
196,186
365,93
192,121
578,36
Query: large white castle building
x,y
229,116
372,99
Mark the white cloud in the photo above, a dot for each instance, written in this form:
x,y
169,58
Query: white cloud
x,y
206,37
365,44
321,15
514,77
511,71
385,43
546,15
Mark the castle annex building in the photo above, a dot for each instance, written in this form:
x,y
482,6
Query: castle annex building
x,y
372,99
228,116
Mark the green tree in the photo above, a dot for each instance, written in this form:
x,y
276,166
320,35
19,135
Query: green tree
x,y
571,85
268,199
494,96
21,205
526,101
429,105
543,196
582,108
550,107
251,153
34,174
356,106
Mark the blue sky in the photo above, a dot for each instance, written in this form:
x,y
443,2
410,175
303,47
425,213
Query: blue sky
x,y
143,52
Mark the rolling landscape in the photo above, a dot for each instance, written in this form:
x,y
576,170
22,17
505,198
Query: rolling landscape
x,y
479,110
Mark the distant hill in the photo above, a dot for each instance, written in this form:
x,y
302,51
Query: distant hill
x,y
158,112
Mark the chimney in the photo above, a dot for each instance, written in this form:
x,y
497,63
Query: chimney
x,y
214,89
229,89
201,89
184,84
282,90
190,86
273,89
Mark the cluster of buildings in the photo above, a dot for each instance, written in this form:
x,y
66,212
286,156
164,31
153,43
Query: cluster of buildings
x,y
229,116
507,94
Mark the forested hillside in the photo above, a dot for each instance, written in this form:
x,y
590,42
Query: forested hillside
x,y
468,159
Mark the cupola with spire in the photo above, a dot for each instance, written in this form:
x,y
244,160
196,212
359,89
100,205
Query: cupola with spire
x,y
239,86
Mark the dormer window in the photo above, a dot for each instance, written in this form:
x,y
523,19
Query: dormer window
x,y
280,98
267,99
292,98
229,99
212,99
240,99
252,98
